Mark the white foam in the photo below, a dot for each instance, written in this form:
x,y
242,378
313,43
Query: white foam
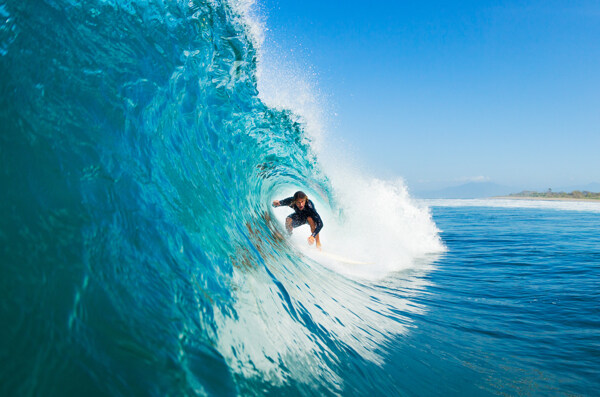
x,y
564,205
379,223
252,19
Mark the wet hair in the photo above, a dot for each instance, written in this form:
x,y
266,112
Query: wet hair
x,y
299,195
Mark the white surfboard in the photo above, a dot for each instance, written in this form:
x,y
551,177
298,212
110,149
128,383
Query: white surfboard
x,y
342,259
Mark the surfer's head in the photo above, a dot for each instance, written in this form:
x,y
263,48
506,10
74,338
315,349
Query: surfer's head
x,y
300,199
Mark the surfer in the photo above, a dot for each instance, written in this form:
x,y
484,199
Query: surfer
x,y
304,211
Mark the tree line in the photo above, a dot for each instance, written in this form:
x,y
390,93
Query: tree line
x,y
575,194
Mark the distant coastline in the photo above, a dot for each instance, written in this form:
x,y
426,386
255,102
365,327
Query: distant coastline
x,y
575,195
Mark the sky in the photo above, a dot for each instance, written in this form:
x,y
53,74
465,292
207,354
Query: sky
x,y
443,93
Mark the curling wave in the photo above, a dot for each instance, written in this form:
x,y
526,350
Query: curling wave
x,y
140,254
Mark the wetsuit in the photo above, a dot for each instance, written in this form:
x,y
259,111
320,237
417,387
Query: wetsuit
x,y
299,217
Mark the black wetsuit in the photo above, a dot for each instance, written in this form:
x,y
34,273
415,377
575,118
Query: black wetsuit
x,y
299,217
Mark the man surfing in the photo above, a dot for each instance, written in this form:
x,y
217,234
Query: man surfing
x,y
304,211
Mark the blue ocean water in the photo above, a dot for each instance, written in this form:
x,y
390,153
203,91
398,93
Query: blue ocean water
x,y
140,255
514,303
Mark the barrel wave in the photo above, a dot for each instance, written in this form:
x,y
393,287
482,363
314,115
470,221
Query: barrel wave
x,y
140,255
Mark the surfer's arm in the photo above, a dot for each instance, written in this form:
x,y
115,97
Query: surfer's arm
x,y
314,215
285,202
318,223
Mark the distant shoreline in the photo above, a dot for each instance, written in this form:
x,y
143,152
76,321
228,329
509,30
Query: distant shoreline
x,y
546,198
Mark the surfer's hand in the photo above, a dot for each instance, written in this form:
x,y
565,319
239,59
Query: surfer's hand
x,y
276,203
311,240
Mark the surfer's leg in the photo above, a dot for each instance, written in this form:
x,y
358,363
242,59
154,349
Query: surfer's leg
x,y
292,221
288,224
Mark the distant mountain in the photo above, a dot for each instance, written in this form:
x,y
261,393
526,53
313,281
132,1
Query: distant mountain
x,y
467,191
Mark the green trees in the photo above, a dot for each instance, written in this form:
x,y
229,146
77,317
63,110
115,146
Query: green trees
x,y
575,194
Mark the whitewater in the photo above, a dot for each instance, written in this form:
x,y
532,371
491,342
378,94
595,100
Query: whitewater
x,y
141,145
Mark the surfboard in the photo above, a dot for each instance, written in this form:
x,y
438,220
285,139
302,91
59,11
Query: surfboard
x,y
342,259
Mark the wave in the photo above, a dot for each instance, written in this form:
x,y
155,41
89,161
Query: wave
x,y
140,251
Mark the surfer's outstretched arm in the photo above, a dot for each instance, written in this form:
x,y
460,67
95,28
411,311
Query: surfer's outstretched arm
x,y
286,202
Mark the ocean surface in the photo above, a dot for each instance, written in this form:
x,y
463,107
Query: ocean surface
x,y
141,144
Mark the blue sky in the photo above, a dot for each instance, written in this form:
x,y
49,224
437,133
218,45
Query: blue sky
x,y
442,93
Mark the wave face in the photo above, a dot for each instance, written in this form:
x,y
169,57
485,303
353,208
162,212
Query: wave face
x,y
140,255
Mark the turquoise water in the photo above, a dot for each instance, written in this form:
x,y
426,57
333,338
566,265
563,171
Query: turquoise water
x,y
140,255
